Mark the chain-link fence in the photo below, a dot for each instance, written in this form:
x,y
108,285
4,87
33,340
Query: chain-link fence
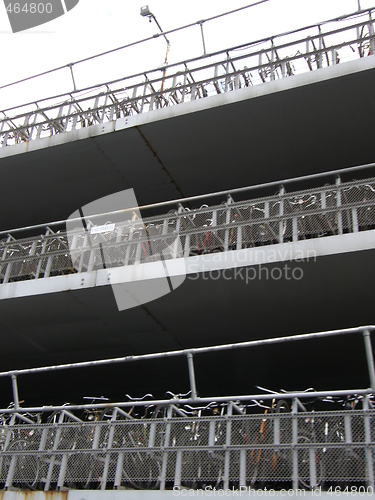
x,y
281,56
271,449
313,213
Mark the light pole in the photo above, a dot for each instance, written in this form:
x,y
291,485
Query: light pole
x,y
145,12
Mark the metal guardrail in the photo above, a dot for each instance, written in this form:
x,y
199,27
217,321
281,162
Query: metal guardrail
x,y
325,44
189,441
312,213
270,449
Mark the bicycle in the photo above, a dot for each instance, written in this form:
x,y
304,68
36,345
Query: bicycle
x,y
134,433
86,468
345,461
267,462
18,441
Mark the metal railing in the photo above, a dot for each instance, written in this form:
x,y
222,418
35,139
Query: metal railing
x,y
343,207
325,44
276,450
274,440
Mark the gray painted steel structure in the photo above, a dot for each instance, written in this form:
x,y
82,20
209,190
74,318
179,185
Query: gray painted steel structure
x,y
205,145
277,57
163,136
286,217
300,450
184,448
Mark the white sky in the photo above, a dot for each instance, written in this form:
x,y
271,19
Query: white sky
x,y
95,26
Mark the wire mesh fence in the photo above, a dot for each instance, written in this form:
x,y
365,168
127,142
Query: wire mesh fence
x,y
271,449
285,217
281,56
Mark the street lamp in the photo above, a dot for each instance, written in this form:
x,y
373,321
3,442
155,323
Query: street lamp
x,y
145,12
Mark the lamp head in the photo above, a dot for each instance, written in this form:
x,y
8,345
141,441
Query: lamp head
x,y
145,11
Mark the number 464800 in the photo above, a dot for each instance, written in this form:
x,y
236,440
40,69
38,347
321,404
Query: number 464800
x,y
30,8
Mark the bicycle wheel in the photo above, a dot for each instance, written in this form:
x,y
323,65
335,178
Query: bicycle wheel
x,y
304,463
26,472
282,406
141,470
83,471
345,464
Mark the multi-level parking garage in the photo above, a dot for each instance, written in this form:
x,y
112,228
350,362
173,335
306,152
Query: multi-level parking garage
x,y
281,244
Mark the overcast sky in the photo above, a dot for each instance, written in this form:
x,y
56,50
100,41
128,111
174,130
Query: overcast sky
x,y
95,26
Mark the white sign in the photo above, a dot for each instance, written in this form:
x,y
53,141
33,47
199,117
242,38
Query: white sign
x,y
102,229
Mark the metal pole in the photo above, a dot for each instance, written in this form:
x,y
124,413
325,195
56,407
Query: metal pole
x,y
193,387
294,445
204,45
370,358
200,197
16,400
161,31
194,350
71,71
187,401
369,448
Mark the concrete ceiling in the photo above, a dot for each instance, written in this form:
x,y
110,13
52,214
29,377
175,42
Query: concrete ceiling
x,y
335,292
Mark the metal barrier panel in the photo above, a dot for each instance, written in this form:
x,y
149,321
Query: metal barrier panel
x,y
323,449
285,217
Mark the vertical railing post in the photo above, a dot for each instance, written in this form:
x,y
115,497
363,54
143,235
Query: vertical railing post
x,y
47,270
16,400
85,245
3,257
129,244
369,447
51,465
118,473
226,86
242,468
294,444
237,81
9,479
70,66
227,222
320,55
193,89
338,204
228,439
165,450
372,37
108,449
272,60
176,251
202,34
355,226
281,214
295,228
177,473
239,238
266,209
370,358
42,254
31,253
143,97
187,246
193,387
312,467
8,273
12,465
